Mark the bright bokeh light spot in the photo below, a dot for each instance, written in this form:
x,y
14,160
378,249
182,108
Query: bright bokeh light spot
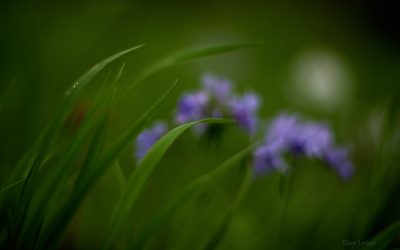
x,y
320,79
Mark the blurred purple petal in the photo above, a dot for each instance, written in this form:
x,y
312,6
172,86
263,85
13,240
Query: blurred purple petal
x,y
217,87
269,157
244,111
338,159
147,138
288,134
317,139
192,107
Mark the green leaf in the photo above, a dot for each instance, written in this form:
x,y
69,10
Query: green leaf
x,y
30,187
53,232
210,51
87,179
119,175
184,56
384,238
71,96
12,185
118,147
244,188
5,95
193,190
140,176
73,93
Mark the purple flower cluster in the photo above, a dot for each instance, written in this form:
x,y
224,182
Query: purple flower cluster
x,y
216,99
147,138
288,134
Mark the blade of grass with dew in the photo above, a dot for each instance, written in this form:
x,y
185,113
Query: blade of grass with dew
x,y
384,238
185,56
29,156
241,194
53,130
55,184
192,191
72,95
140,176
181,57
57,173
88,179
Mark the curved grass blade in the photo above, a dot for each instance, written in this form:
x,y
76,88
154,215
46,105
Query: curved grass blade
x,y
192,191
53,232
71,96
5,95
12,185
384,238
88,179
210,51
53,130
73,93
119,175
185,56
53,183
139,177
18,176
244,188
121,144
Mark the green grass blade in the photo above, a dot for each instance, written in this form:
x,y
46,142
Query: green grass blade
x,y
194,189
54,181
219,233
210,51
5,95
119,175
12,185
140,176
384,238
87,180
94,153
117,148
73,93
53,130
185,56
53,232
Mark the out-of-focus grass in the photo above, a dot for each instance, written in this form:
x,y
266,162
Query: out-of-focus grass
x,y
45,46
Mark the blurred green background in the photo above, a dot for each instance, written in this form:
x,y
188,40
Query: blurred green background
x,y
331,60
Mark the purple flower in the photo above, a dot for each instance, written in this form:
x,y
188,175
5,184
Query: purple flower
x,y
147,138
244,111
317,139
268,157
192,107
217,87
338,159
216,100
311,139
288,134
284,131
